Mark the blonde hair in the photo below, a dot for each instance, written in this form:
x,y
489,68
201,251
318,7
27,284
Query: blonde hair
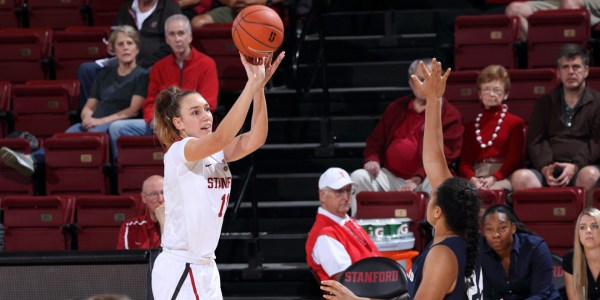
x,y
128,31
167,107
494,72
579,263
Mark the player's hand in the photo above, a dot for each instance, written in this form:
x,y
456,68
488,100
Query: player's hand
x,y
255,68
335,290
271,66
569,171
434,82
372,167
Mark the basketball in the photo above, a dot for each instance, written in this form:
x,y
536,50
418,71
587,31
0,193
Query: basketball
x,y
257,31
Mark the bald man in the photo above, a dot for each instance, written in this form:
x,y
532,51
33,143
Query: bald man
x,y
143,232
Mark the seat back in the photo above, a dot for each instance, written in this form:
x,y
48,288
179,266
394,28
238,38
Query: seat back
x,y
76,45
397,204
25,54
550,29
57,14
139,158
37,223
461,91
494,35
75,163
215,41
375,277
11,181
9,16
42,107
99,219
528,85
490,198
550,213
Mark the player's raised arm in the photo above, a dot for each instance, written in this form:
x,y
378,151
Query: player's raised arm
x,y
433,87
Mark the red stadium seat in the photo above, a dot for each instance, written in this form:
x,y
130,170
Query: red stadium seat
x,y
551,213
57,14
490,198
98,219
25,54
550,29
413,205
493,35
11,181
42,107
75,163
10,13
215,41
104,12
139,158
5,92
528,85
461,91
76,45
37,223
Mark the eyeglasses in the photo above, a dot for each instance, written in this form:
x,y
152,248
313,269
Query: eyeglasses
x,y
339,193
153,195
488,91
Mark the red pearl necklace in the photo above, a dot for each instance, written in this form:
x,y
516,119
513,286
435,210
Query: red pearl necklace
x,y
495,134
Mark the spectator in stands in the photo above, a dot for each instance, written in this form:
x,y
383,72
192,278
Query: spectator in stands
x,y
392,156
493,144
143,232
148,17
192,8
516,264
581,265
563,139
523,10
185,68
226,11
336,240
118,93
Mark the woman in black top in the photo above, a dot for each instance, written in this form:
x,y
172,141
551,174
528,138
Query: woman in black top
x,y
581,266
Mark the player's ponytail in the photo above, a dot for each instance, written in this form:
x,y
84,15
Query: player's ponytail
x,y
167,107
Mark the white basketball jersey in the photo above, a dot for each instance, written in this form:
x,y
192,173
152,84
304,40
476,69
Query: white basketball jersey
x,y
196,197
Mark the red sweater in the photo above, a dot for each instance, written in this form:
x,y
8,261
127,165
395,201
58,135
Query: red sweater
x,y
508,145
139,233
199,73
355,247
385,132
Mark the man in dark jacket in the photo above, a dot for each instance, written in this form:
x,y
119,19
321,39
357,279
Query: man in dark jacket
x,y
563,138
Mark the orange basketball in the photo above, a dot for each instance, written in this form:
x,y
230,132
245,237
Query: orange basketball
x,y
257,31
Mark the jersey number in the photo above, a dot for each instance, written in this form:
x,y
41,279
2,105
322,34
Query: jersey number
x,y
224,201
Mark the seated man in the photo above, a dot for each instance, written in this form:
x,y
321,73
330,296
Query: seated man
x,y
392,155
563,139
185,68
143,232
227,11
523,10
336,240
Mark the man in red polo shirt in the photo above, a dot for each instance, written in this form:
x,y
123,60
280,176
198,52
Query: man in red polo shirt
x,y
393,152
336,240
143,232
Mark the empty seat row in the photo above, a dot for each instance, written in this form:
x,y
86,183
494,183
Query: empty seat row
x,y
64,222
58,14
79,163
491,39
549,212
